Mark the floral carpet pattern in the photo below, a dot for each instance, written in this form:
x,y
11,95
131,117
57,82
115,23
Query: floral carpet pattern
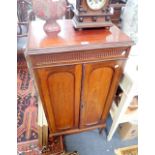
x,y
27,129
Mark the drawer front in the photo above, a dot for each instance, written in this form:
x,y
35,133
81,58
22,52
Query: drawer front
x,y
68,58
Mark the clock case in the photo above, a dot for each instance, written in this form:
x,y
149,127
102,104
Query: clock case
x,y
84,17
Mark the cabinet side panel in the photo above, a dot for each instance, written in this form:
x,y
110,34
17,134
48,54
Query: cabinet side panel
x,y
61,88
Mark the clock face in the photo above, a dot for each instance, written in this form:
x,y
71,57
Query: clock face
x,y
95,4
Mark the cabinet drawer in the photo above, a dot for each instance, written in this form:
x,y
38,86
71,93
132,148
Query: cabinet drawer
x,y
78,57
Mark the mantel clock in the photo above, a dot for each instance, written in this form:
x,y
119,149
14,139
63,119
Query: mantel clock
x,y
92,14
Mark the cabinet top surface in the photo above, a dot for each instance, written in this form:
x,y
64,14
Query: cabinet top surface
x,y
70,39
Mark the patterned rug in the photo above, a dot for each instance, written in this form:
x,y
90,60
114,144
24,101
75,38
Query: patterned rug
x,y
27,129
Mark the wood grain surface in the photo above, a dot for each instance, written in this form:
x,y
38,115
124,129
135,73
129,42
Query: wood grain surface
x,y
77,74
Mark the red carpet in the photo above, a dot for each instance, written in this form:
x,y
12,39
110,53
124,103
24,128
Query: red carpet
x,y
27,129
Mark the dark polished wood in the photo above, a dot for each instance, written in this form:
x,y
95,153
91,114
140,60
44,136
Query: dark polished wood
x,y
85,17
116,17
70,40
77,74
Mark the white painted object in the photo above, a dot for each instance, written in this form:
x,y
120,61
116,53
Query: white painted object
x,y
129,85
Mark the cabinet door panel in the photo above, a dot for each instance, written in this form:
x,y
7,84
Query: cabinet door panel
x,y
100,82
60,91
96,94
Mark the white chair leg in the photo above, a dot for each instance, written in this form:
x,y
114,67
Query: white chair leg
x,y
112,130
125,101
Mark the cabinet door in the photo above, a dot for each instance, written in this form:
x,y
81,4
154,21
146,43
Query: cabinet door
x,y
59,89
100,81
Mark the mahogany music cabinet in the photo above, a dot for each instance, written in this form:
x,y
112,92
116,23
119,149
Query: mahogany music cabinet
x,y
76,73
